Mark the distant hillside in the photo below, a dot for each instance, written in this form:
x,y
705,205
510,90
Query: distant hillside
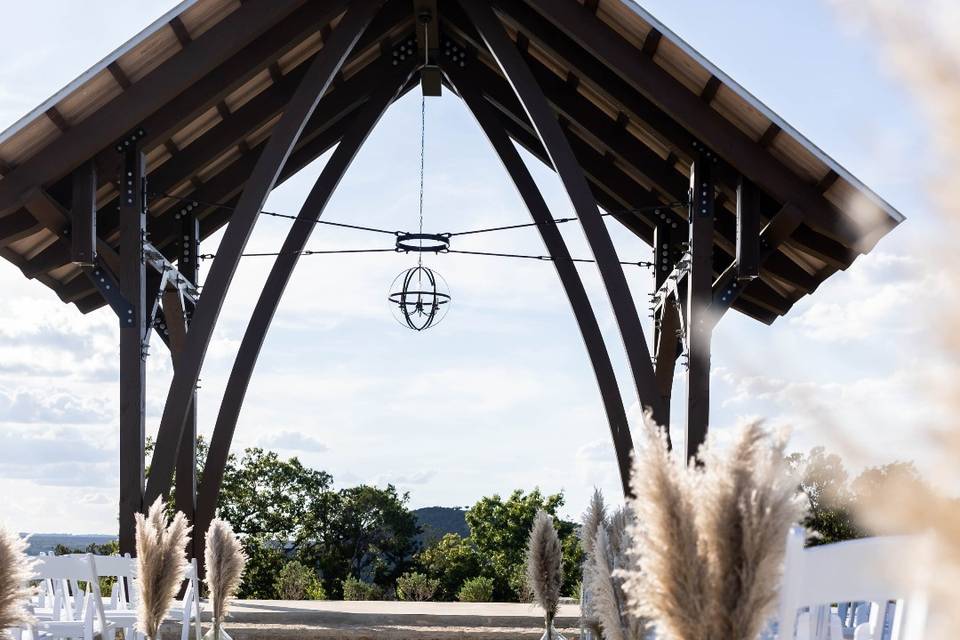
x,y
46,542
439,521
435,522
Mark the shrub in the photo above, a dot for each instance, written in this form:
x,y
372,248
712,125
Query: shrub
x,y
296,581
479,589
416,587
356,589
450,560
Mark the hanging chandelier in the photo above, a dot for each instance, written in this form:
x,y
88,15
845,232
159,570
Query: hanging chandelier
x,y
419,297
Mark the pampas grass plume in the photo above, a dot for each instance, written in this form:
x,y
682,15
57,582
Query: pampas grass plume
x,y
747,501
666,583
161,564
225,561
544,558
594,519
16,568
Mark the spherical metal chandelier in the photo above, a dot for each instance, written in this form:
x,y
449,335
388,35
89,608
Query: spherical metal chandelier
x,y
419,298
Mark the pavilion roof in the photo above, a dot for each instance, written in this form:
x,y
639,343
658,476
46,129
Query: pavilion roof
x,y
209,79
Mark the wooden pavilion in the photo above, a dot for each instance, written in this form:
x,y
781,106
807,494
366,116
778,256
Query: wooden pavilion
x,y
108,188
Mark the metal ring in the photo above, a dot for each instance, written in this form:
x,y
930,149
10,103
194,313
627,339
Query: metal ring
x,y
423,242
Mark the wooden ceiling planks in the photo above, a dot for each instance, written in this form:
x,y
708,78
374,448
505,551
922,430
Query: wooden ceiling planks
x,y
630,145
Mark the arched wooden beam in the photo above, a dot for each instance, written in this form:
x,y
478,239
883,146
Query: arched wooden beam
x,y
262,316
566,269
315,83
574,181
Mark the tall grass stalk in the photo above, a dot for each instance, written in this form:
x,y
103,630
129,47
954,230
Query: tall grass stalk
x,y
161,565
225,561
16,568
544,567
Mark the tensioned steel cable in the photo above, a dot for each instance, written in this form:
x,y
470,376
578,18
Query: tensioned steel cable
x,y
494,254
355,227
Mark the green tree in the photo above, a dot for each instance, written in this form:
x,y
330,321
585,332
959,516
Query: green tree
x,y
824,481
264,495
364,532
451,561
265,561
499,530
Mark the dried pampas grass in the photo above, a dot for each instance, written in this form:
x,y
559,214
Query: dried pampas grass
x,y
607,568
919,39
225,561
747,501
161,564
667,580
594,519
707,542
544,566
16,567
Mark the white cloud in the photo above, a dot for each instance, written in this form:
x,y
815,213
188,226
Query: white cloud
x,y
291,441
881,294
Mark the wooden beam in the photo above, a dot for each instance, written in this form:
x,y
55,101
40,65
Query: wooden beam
x,y
133,333
727,289
571,175
609,179
698,323
83,216
566,270
714,130
134,106
258,186
748,232
17,226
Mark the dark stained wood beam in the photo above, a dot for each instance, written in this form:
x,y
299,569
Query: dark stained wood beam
x,y
699,326
714,130
83,216
710,89
542,117
748,232
651,42
119,75
171,85
612,180
17,226
230,132
258,186
133,333
610,186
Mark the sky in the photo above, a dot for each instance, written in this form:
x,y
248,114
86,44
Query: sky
x,y
500,395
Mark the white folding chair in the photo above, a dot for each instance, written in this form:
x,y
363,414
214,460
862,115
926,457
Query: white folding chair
x,y
85,622
853,570
187,611
122,609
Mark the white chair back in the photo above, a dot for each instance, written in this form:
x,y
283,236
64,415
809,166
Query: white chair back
x,y
123,594
857,570
72,569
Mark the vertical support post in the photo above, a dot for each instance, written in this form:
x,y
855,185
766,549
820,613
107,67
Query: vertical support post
x,y
186,469
83,216
699,297
748,231
133,219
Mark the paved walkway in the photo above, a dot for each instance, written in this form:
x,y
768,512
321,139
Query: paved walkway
x,y
322,620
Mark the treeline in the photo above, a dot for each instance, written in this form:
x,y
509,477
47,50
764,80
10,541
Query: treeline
x,y
307,540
